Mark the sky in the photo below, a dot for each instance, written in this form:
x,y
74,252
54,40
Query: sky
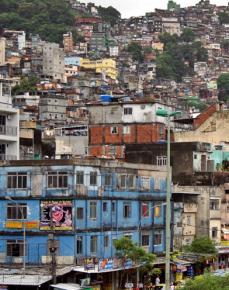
x,y
130,8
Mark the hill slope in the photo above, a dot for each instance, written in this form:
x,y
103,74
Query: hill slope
x,y
50,19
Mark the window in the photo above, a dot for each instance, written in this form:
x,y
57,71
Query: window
x,y
106,241
214,232
114,130
145,183
157,210
57,179
126,210
15,248
214,204
126,130
113,206
93,213
79,213
123,181
157,238
79,177
93,244
79,245
145,240
128,111
108,180
145,209
156,184
189,220
16,211
104,206
93,178
17,180
131,181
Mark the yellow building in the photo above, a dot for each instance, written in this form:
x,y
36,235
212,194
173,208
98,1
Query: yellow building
x,y
106,66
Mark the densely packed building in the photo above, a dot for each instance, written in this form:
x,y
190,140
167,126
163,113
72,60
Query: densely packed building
x,y
83,151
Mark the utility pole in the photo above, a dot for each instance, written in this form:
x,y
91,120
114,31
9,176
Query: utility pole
x,y
53,246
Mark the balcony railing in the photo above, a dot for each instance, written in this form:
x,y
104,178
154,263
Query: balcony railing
x,y
8,130
8,157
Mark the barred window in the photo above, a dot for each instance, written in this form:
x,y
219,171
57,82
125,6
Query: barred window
x,y
16,211
15,248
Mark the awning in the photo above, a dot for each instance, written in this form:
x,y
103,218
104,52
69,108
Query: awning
x,y
66,286
27,280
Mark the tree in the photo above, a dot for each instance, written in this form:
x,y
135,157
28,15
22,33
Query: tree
x,y
223,87
26,85
135,50
109,14
187,35
202,245
126,249
207,281
224,17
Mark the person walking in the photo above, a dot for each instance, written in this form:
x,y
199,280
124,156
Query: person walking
x,y
157,283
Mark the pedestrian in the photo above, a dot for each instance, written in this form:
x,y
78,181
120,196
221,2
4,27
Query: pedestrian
x,y
157,283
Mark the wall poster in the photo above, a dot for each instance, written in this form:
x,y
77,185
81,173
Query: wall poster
x,y
56,215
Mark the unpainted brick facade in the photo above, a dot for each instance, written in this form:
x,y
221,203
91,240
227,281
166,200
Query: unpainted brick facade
x,y
109,139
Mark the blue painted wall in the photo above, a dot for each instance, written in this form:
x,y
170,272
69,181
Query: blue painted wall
x,y
110,220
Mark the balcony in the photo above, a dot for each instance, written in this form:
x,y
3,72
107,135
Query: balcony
x,y
8,130
7,157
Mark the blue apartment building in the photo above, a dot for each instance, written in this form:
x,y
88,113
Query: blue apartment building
x,y
82,204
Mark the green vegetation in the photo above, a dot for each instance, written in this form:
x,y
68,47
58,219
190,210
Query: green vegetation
x,y
179,56
223,87
49,19
224,17
136,51
126,249
27,84
207,282
173,6
202,245
109,14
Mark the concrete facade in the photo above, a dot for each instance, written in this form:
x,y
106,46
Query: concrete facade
x,y
2,51
53,61
9,124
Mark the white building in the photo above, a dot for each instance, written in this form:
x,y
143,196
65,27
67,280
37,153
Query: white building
x,y
9,124
2,51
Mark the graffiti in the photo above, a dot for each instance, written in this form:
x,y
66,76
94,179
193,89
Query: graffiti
x,y
56,215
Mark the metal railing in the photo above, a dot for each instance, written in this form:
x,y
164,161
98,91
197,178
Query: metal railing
x,y
8,130
8,157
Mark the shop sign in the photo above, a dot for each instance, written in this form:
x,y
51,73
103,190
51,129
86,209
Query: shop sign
x,y
89,264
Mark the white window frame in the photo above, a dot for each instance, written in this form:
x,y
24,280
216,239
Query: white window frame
x,y
59,179
126,130
157,234
114,130
93,245
17,180
93,210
